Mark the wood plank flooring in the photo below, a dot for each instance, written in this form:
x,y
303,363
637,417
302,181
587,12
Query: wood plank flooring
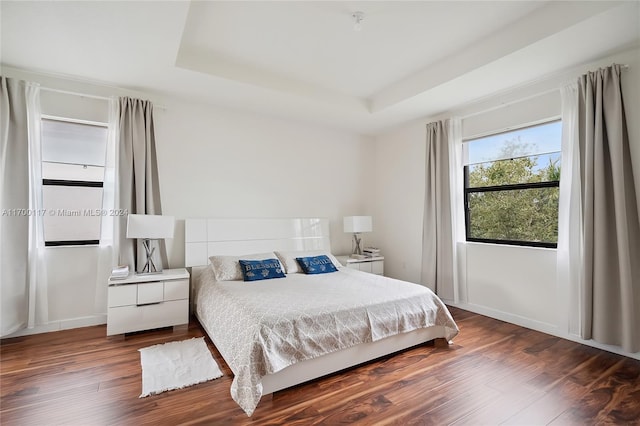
x,y
494,373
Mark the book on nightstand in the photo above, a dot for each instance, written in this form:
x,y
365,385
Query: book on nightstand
x,y
120,272
371,251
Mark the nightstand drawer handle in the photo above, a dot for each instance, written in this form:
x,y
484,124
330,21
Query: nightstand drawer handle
x,y
149,304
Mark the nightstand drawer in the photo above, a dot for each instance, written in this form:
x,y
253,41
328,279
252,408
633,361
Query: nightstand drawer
x,y
150,293
124,319
377,267
142,302
176,290
123,295
365,267
372,265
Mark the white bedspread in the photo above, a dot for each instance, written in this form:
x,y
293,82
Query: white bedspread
x,y
262,327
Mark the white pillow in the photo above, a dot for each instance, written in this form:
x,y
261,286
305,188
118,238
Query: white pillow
x,y
227,268
288,259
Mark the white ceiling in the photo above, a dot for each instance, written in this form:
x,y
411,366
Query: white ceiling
x,y
303,60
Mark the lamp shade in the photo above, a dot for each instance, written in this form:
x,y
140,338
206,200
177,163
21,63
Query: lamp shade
x,y
150,226
358,224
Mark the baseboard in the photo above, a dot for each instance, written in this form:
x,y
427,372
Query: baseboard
x,y
61,325
508,317
543,327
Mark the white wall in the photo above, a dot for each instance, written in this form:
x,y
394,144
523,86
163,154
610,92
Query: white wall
x,y
518,281
212,162
73,290
516,284
220,163
399,200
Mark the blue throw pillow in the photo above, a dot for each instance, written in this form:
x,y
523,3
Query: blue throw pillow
x,y
253,270
316,264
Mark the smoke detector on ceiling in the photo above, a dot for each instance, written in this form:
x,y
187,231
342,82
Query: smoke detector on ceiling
x,y
358,17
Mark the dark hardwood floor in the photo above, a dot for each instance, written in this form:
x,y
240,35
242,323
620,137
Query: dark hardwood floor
x,y
494,373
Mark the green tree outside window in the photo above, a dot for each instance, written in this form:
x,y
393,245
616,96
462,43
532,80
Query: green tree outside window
x,y
514,199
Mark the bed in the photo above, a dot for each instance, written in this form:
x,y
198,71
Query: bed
x,y
277,333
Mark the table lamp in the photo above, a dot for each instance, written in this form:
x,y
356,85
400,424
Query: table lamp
x,y
150,227
357,225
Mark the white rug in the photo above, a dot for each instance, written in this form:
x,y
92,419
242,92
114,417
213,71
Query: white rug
x,y
176,365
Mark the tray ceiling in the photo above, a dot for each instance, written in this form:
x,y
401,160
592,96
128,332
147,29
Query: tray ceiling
x,y
304,60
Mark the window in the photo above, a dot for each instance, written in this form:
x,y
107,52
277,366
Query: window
x,y
511,186
73,164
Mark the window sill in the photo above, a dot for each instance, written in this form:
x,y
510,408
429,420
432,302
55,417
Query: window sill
x,y
483,244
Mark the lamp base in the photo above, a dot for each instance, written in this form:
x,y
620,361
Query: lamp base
x,y
156,272
149,267
357,249
358,256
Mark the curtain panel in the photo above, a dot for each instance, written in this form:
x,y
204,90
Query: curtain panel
x,y
599,235
23,280
570,252
138,186
437,237
109,226
611,296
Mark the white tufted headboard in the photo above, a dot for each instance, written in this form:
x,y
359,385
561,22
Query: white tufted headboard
x,y
205,237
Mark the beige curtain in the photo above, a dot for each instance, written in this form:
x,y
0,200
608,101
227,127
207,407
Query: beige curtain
x,y
14,194
611,276
437,234
138,186
23,279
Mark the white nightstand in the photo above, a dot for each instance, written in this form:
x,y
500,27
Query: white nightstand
x,y
143,302
373,265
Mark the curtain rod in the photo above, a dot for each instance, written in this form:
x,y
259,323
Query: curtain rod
x,y
85,95
625,67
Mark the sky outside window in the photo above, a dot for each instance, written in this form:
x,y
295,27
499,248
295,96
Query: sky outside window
x,y
540,139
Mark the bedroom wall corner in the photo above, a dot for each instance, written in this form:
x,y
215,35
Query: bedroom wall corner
x,y
399,198
74,297
491,288
214,161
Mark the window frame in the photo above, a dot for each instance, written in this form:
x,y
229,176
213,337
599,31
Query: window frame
x,y
72,183
500,188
